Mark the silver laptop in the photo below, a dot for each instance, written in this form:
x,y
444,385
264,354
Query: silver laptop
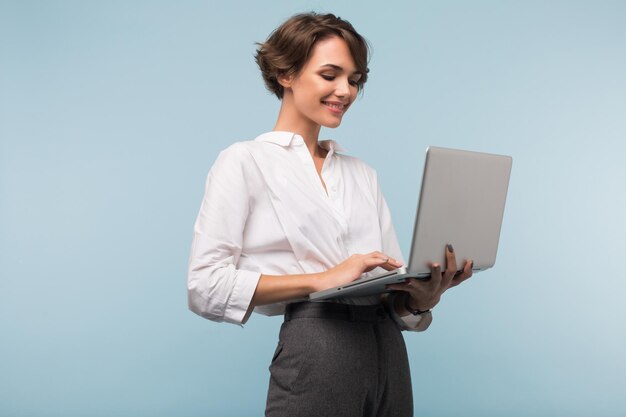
x,y
461,203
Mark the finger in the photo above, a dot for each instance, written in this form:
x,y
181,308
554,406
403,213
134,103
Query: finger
x,y
395,263
463,275
450,265
435,275
391,262
388,266
372,262
467,269
389,259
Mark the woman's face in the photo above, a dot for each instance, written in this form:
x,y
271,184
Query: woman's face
x,y
325,87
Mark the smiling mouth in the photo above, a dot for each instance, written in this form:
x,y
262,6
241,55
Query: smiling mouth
x,y
335,107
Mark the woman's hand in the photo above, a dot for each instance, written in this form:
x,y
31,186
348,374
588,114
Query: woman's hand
x,y
278,288
424,295
353,267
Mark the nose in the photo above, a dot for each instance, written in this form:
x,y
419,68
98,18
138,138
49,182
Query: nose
x,y
342,88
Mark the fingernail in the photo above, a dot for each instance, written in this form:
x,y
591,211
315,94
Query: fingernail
x,y
450,248
471,264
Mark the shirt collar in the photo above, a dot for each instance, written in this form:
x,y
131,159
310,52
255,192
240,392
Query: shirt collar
x,y
279,138
287,139
331,145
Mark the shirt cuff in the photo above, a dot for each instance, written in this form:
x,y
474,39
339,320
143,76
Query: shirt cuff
x,y
241,296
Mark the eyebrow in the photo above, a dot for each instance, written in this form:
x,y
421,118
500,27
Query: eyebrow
x,y
338,68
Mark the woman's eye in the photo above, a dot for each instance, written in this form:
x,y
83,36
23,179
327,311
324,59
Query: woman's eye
x,y
329,77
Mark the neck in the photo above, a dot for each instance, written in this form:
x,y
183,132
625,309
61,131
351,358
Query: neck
x,y
290,120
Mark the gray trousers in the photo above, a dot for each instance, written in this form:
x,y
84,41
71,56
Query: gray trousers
x,y
339,360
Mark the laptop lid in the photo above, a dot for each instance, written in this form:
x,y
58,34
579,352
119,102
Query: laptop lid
x,y
461,203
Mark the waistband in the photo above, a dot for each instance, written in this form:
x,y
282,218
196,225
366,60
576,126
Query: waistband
x,y
336,311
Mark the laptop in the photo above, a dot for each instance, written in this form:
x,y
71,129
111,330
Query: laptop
x,y
461,202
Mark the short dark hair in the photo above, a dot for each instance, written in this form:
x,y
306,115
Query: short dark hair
x,y
289,47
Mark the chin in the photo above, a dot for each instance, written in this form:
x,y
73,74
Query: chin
x,y
332,124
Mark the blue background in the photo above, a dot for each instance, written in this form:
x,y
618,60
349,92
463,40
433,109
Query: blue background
x,y
111,114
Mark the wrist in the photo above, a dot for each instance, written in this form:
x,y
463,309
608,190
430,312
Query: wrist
x,y
413,307
316,282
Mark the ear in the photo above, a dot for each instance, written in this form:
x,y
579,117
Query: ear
x,y
285,80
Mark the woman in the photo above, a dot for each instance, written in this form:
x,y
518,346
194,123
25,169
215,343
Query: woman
x,y
287,214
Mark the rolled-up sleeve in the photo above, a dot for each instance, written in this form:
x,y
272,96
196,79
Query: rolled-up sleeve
x,y
216,289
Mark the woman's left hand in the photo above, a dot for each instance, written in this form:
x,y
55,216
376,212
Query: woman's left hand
x,y
426,294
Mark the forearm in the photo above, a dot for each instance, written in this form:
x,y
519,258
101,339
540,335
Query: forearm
x,y
276,288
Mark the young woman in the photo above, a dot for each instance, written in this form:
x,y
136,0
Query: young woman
x,y
286,214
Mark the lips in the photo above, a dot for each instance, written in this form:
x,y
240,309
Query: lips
x,y
335,106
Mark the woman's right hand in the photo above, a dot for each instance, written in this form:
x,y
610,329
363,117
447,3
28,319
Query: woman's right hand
x,y
353,267
279,288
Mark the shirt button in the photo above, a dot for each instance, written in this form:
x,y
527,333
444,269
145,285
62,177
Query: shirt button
x,y
333,189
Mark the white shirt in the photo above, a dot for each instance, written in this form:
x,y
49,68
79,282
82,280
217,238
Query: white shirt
x,y
265,211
